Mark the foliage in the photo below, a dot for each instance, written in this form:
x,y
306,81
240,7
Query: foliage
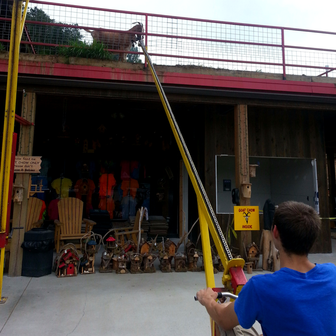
x,y
57,35
133,58
95,50
2,48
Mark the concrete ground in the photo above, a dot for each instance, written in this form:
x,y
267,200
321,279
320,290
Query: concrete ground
x,y
110,304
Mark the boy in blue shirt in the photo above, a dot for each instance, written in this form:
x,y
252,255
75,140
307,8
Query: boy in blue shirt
x,y
299,299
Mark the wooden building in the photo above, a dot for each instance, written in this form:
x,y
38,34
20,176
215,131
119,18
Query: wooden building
x,y
90,116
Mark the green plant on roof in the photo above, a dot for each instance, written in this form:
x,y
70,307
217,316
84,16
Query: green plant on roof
x,y
55,35
96,50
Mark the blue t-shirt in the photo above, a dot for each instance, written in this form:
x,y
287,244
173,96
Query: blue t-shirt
x,y
290,303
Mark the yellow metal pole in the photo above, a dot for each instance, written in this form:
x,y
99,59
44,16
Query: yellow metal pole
x,y
206,247
23,19
198,187
189,169
207,256
9,119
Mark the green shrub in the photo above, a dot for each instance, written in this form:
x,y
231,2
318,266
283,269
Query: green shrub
x,y
96,50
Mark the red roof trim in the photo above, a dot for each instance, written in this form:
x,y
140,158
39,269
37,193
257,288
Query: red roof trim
x,y
185,79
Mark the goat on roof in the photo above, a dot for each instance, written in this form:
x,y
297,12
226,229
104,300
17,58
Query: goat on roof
x,y
117,40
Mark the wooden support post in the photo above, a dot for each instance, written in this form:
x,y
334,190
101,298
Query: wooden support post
x,y
331,176
242,166
183,200
25,147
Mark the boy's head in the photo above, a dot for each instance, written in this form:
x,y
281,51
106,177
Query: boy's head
x,y
298,225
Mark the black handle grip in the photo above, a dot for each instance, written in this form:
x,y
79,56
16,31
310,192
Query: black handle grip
x,y
219,296
222,294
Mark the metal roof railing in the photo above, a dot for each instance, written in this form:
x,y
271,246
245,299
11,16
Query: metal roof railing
x,y
173,40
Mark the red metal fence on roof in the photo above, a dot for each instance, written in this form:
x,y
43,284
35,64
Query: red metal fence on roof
x,y
179,40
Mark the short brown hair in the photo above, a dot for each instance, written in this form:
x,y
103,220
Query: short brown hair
x,y
298,225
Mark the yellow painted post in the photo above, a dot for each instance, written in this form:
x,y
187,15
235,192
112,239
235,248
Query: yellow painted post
x,y
202,199
206,247
9,118
207,257
207,217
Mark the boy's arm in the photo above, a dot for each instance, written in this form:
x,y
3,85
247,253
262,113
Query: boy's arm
x,y
223,314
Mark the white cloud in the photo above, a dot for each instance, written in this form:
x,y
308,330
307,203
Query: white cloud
x,y
308,14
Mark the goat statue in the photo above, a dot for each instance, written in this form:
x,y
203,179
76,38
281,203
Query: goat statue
x,y
117,40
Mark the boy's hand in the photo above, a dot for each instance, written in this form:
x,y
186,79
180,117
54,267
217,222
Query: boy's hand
x,y
206,295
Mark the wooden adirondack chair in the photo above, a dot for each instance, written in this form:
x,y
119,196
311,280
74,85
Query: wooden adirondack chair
x,y
69,225
33,214
130,233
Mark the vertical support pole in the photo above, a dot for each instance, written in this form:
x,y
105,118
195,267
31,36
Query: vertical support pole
x,y
146,38
283,53
4,236
25,147
242,165
331,178
183,213
11,179
206,248
181,219
207,256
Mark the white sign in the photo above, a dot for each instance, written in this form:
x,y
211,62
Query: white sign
x,y
27,164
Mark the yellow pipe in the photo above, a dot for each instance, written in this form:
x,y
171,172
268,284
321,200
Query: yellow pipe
x,y
205,210
208,219
8,127
207,256
2,262
201,202
206,248
24,15
9,119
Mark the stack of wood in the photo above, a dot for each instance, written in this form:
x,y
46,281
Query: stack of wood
x,y
67,262
158,225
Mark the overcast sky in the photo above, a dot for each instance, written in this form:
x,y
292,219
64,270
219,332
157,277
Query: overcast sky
x,y
309,14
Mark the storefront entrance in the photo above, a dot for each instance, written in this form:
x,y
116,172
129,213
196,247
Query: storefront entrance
x,y
115,155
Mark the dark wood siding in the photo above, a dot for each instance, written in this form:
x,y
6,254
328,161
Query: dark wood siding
x,y
276,132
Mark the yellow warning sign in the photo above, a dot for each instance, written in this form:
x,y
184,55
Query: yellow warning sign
x,y
246,218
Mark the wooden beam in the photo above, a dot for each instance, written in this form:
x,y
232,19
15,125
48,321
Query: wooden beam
x,y
173,97
181,219
25,147
242,165
331,178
